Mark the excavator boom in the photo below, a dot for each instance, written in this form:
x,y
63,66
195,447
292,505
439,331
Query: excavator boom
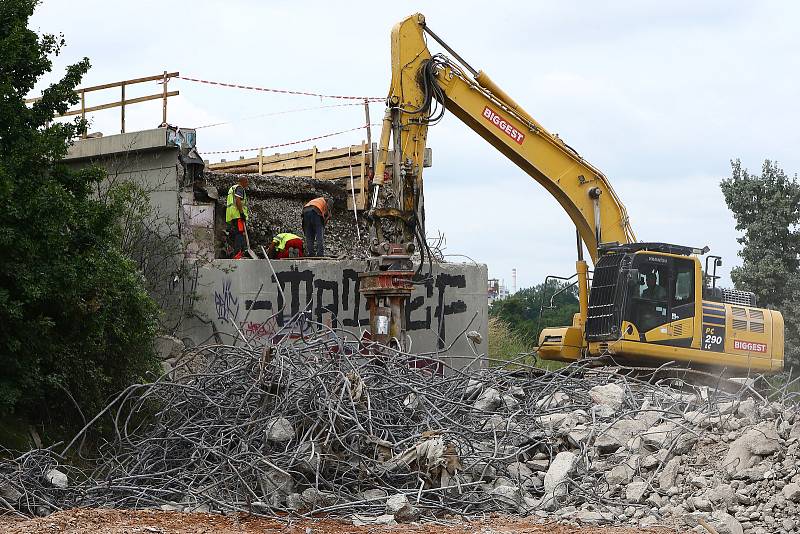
x,y
418,78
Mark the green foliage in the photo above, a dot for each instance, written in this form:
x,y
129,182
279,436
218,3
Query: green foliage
x,y
506,345
521,311
767,211
74,315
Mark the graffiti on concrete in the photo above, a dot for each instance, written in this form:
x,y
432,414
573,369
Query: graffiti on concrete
x,y
226,303
338,303
259,330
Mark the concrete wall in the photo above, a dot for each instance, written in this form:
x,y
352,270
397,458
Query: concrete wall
x,y
201,295
145,157
158,244
245,293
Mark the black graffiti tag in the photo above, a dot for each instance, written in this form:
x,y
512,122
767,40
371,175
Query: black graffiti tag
x,y
417,302
226,304
333,306
348,276
302,290
443,310
294,278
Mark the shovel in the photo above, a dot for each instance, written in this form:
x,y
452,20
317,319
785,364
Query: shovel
x,y
247,242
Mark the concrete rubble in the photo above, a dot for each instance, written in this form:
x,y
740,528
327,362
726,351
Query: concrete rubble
x,y
576,445
276,203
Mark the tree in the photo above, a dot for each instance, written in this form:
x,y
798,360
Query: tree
x,y
767,212
521,311
74,315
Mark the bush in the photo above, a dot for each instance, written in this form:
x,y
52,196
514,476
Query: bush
x,y
505,345
524,314
74,315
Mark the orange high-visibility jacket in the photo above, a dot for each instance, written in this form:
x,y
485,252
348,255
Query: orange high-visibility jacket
x,y
321,206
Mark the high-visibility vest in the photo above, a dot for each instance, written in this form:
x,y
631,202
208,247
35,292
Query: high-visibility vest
x,y
231,211
321,205
280,240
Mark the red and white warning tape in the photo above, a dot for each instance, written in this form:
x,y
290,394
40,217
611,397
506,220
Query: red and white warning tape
x,y
283,91
256,149
275,113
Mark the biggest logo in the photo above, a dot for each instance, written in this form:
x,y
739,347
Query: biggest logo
x,y
505,126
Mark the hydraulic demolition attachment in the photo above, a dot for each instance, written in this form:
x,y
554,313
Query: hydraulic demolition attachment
x,y
396,220
396,215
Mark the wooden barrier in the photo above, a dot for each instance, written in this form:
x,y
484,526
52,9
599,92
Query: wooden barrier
x,y
348,164
351,165
164,95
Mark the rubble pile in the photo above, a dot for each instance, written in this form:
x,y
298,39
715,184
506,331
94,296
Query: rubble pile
x,y
322,424
276,202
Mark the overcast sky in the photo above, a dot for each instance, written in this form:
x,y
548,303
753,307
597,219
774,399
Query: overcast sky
x,y
659,95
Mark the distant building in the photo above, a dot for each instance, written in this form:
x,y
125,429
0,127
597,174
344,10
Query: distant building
x,y
496,290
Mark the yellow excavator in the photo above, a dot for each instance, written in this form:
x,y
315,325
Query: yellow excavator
x,y
645,303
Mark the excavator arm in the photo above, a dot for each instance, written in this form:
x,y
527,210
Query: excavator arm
x,y
424,85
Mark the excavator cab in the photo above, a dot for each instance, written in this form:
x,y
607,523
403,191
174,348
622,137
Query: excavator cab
x,y
648,304
644,292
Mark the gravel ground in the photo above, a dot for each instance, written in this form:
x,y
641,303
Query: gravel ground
x,y
158,522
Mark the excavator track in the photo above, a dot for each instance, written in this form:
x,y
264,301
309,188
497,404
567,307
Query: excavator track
x,y
688,376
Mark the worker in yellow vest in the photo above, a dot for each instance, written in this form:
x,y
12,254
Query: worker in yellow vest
x,y
315,214
285,245
236,215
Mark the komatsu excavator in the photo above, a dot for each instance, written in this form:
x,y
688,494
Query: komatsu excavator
x,y
645,303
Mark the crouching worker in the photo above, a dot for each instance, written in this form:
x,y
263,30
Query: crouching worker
x,y
315,215
236,215
285,245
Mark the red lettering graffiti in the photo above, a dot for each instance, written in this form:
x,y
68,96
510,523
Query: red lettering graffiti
x,y
255,330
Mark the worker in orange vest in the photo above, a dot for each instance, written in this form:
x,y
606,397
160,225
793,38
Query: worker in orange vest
x,y
315,214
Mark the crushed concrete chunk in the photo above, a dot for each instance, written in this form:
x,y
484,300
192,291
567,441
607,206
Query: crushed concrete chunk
x,y
274,481
488,401
666,479
9,493
618,434
635,491
510,403
280,430
520,473
610,395
168,347
56,478
620,474
555,481
294,502
360,520
747,450
509,497
592,517
660,436
398,506
791,492
319,499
